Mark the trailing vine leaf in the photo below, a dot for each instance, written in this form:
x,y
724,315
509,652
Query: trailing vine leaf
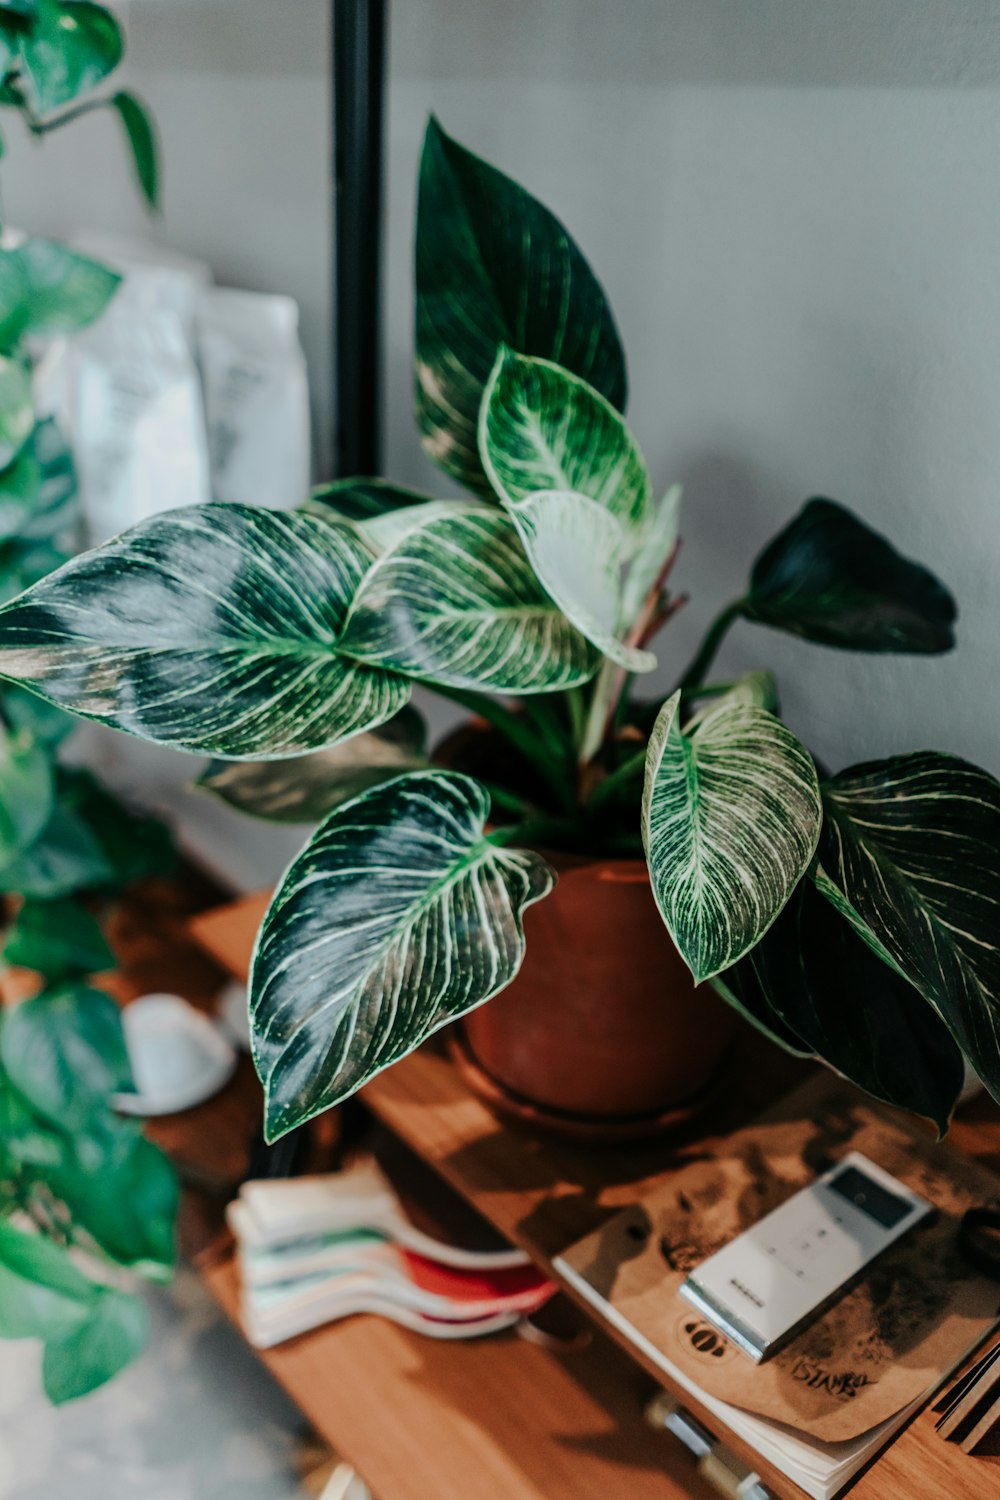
x,y
832,579
577,549
64,1052
57,939
542,428
70,47
141,136
455,601
37,488
17,416
306,788
913,845
42,1293
399,916
213,629
731,816
495,267
813,979
123,1191
25,792
64,290
84,1357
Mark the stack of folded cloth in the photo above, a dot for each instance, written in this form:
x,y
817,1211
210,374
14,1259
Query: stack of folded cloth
x,y
315,1249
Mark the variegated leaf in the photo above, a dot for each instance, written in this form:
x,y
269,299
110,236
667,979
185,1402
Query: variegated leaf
x,y
399,916
495,267
654,550
304,788
360,500
455,601
577,548
541,428
815,986
212,629
731,817
912,843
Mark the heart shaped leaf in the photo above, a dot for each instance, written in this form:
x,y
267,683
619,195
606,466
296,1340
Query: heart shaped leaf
x,y
814,981
455,601
42,1293
731,817
399,916
542,428
64,1052
832,579
576,549
84,1357
212,629
64,289
70,47
495,267
912,843
307,787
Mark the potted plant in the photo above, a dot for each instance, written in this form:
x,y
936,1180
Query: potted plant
x,y
82,1193
850,916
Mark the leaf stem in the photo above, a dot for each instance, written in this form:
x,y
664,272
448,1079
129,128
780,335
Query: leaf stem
x,y
617,779
706,653
519,733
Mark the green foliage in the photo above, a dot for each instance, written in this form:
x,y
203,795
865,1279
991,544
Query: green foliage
x,y
81,1191
855,921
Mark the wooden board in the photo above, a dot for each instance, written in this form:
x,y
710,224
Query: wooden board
x,y
493,1419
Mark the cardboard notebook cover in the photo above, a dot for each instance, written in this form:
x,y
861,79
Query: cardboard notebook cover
x,y
890,1337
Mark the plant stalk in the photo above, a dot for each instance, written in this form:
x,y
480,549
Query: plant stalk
x,y
519,733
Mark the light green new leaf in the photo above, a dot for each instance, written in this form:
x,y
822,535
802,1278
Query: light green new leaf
x,y
25,792
71,46
306,788
57,939
652,553
576,548
541,428
42,1293
213,629
65,290
399,916
911,845
82,1358
731,816
455,601
140,133
17,416
495,267
64,1051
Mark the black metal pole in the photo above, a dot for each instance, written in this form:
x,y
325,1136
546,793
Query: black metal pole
x,y
359,43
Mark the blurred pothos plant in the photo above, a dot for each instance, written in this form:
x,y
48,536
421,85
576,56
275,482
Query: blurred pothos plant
x,y
82,1194
852,916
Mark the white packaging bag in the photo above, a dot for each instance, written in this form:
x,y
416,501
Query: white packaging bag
x,y
256,397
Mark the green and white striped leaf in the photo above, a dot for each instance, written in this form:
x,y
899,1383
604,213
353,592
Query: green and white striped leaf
x,y
399,916
361,500
652,553
495,267
455,601
17,416
213,629
731,816
577,548
818,989
913,845
541,428
307,787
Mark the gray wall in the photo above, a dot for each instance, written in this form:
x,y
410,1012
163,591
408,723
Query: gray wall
x,y
795,209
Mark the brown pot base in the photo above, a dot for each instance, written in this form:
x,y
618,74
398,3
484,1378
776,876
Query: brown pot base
x,y
567,1126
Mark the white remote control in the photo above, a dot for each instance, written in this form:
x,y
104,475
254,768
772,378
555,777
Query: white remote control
x,y
763,1286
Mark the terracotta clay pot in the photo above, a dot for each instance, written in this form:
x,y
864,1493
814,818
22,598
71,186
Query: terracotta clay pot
x,y
602,1033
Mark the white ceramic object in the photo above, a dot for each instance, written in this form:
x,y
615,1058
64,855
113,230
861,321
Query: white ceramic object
x,y
179,1057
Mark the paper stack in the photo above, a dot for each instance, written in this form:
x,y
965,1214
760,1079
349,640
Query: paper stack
x,y
315,1249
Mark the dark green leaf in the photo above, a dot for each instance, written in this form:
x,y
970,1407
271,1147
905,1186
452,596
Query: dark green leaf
x,y
82,1358
58,939
212,629
123,1191
25,793
399,916
913,845
361,499
134,846
64,1052
495,267
65,290
832,579
43,721
306,788
71,47
731,814
141,136
813,979
66,857
37,488
42,1293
